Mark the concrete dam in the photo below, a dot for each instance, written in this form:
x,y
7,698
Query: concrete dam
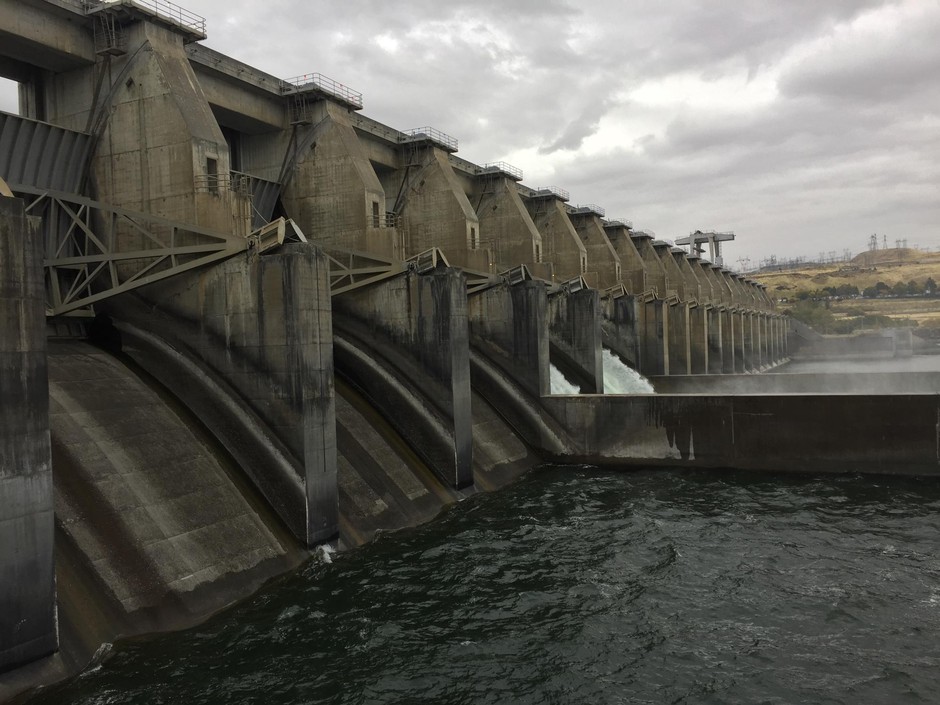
x,y
239,319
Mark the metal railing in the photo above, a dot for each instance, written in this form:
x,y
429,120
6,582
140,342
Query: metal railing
x,y
553,191
161,8
432,134
327,85
427,260
619,223
212,183
589,208
513,171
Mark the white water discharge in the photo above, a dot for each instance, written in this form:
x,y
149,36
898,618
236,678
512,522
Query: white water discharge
x,y
560,384
621,379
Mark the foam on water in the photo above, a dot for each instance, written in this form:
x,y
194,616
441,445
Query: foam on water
x,y
621,379
560,384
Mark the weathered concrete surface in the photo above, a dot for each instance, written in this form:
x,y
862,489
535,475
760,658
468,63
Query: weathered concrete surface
x,y
879,383
510,325
654,337
621,327
603,262
894,434
261,332
415,328
146,501
574,320
333,192
155,529
383,485
434,208
633,273
44,36
561,244
510,372
161,150
506,225
27,586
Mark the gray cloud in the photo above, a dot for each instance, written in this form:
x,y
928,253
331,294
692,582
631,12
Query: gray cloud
x,y
844,147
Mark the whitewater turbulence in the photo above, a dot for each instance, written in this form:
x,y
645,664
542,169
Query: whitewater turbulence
x,y
621,379
560,383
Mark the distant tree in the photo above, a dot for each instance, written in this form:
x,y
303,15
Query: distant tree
x,y
815,315
930,286
914,289
871,292
882,288
899,289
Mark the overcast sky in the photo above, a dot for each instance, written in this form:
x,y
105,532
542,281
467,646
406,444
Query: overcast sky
x,y
804,126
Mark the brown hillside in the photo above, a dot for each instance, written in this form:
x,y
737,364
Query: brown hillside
x,y
865,270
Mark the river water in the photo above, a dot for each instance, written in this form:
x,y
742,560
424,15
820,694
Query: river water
x,y
580,585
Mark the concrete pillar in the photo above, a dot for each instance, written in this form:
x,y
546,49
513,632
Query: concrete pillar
x,y
632,270
742,342
418,324
27,585
679,334
561,244
434,208
699,340
674,281
654,343
506,225
715,317
161,151
333,193
575,329
623,327
750,340
510,324
729,342
653,266
263,328
604,267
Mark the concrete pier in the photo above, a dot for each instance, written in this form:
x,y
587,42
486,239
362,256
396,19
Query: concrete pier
x,y
417,324
27,588
261,332
576,341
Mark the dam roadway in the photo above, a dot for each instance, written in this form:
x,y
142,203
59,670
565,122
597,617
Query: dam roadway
x,y
239,319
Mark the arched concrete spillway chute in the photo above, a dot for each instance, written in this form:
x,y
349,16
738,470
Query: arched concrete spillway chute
x,y
257,331
154,528
403,344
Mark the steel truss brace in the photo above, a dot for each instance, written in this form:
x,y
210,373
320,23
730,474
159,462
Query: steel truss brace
x,y
95,251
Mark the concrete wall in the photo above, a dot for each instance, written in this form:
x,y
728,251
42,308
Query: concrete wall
x,y
622,327
507,227
561,244
892,434
576,341
509,324
27,588
656,280
334,193
262,329
161,138
632,270
416,325
434,209
603,262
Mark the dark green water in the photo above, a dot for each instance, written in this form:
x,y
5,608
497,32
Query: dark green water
x,y
587,586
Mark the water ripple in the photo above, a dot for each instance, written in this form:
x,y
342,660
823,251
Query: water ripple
x,y
579,585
